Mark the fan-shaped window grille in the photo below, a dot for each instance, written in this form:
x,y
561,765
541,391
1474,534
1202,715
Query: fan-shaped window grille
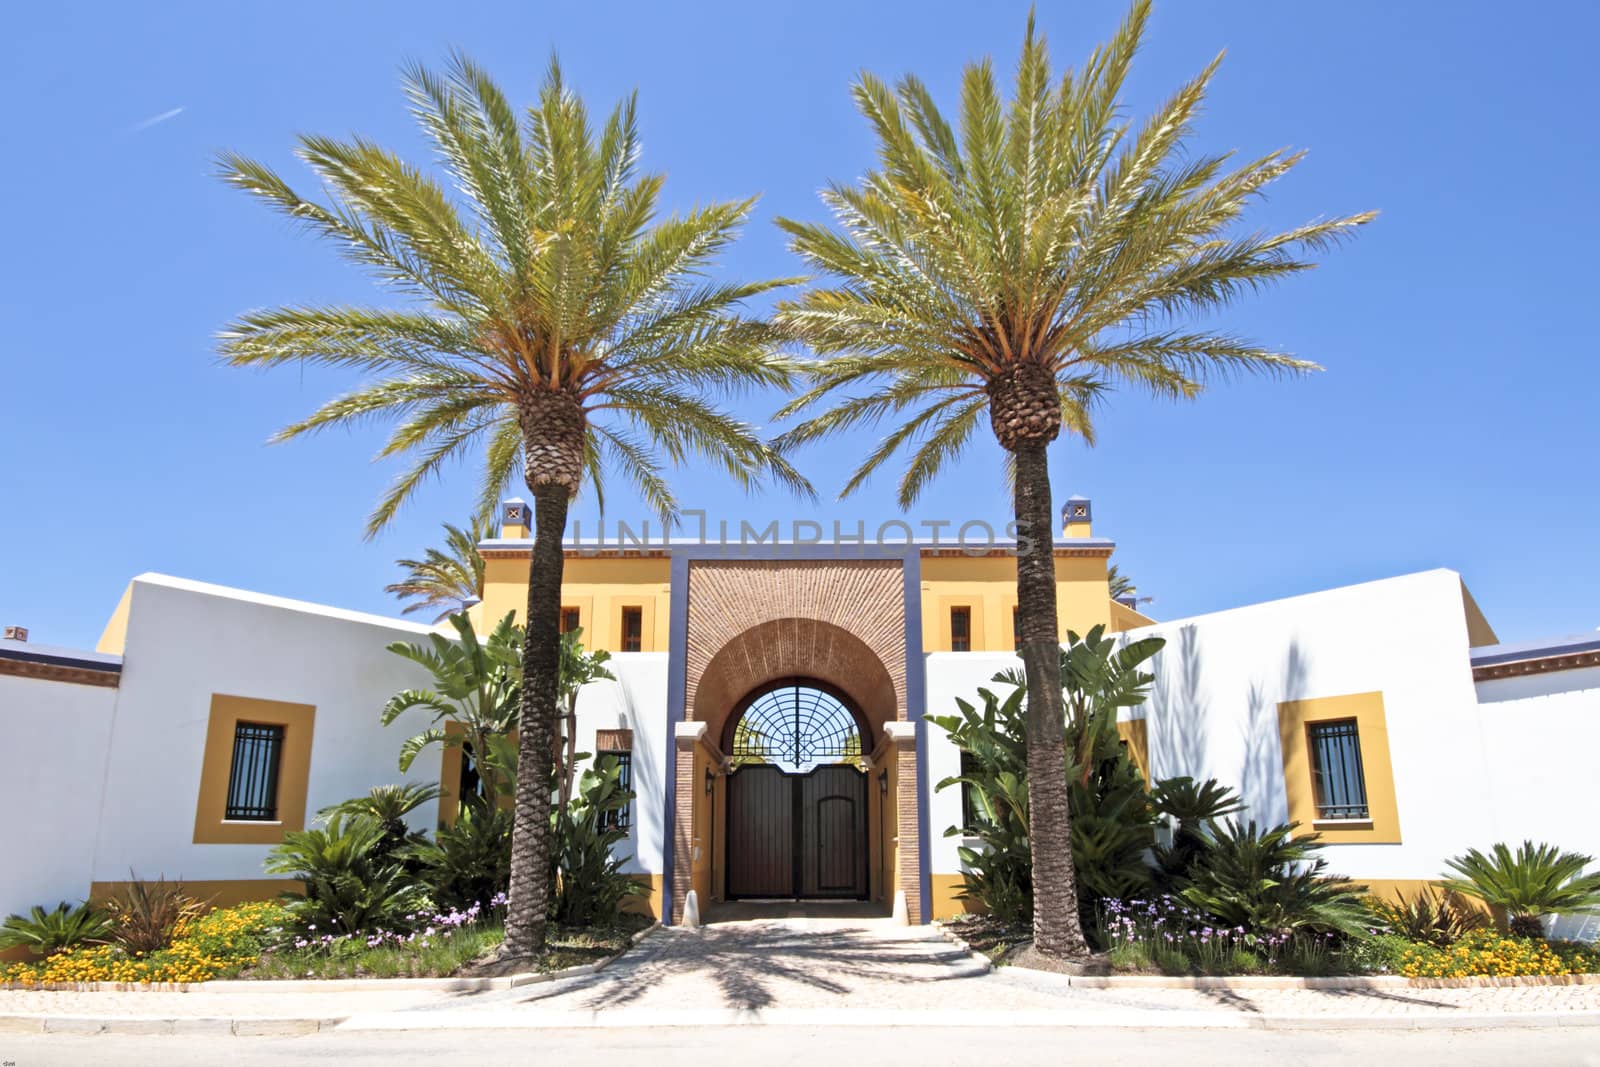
x,y
796,727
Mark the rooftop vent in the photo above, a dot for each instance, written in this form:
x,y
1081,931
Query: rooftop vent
x,y
16,633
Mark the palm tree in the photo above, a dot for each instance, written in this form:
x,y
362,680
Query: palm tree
x,y
1021,265
449,579
1117,583
551,320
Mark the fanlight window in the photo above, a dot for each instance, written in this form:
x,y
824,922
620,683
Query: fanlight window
x,y
796,727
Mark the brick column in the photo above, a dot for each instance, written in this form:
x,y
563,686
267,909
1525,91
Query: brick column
x,y
688,735
908,826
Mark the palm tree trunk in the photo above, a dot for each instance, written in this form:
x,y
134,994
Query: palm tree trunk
x,y
1056,930
527,907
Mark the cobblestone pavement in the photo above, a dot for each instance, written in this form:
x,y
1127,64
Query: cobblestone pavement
x,y
874,965
782,969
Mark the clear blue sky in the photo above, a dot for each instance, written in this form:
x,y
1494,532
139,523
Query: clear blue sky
x,y
1454,425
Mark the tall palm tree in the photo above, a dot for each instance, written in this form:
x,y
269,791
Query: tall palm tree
x,y
550,321
1019,266
448,578
1117,583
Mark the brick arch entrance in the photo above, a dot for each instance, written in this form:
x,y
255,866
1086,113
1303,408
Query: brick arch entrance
x,y
841,623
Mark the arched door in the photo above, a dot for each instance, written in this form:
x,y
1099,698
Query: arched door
x,y
797,798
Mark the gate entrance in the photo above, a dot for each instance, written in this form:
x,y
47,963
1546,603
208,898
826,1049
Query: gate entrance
x,y
797,798
797,836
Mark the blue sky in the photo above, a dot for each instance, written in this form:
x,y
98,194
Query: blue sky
x,y
1453,425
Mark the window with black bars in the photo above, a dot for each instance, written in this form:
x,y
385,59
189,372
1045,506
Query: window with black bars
x,y
960,629
1339,786
969,793
622,817
632,629
569,620
253,777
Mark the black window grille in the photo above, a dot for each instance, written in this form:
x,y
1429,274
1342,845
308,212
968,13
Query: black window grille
x,y
622,817
253,777
969,794
960,629
632,629
1337,780
569,620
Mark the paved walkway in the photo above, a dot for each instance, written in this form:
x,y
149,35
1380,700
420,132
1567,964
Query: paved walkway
x,y
831,971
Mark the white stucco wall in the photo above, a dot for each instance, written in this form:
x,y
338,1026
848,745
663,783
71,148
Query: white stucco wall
x,y
1465,775
186,641
1542,736
57,736
636,701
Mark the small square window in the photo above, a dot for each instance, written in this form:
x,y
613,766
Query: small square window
x,y
253,775
961,629
569,620
632,629
1338,784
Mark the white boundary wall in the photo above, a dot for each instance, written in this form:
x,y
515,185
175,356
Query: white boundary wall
x,y
1520,764
106,780
57,737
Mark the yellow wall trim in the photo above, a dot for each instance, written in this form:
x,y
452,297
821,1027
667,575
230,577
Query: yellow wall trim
x,y
947,902
294,769
1135,733
218,893
1295,718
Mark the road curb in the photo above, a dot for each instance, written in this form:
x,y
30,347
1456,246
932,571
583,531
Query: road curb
x,y
1114,1018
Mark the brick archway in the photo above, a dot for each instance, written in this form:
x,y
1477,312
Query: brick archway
x,y
750,622
792,648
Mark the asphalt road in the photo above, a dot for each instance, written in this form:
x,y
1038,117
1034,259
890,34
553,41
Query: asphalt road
x,y
777,1046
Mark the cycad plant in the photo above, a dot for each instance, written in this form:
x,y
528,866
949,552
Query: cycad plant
x,y
63,927
550,324
1536,880
1271,882
1013,267
446,579
351,884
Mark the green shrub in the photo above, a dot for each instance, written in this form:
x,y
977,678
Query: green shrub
x,y
350,886
1268,881
1535,881
63,927
468,863
1431,917
146,916
590,886
1380,954
1112,817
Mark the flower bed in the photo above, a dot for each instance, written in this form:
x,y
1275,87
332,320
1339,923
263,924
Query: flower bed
x,y
252,941
1496,955
215,945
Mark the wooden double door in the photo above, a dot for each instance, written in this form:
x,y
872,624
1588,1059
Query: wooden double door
x,y
797,836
